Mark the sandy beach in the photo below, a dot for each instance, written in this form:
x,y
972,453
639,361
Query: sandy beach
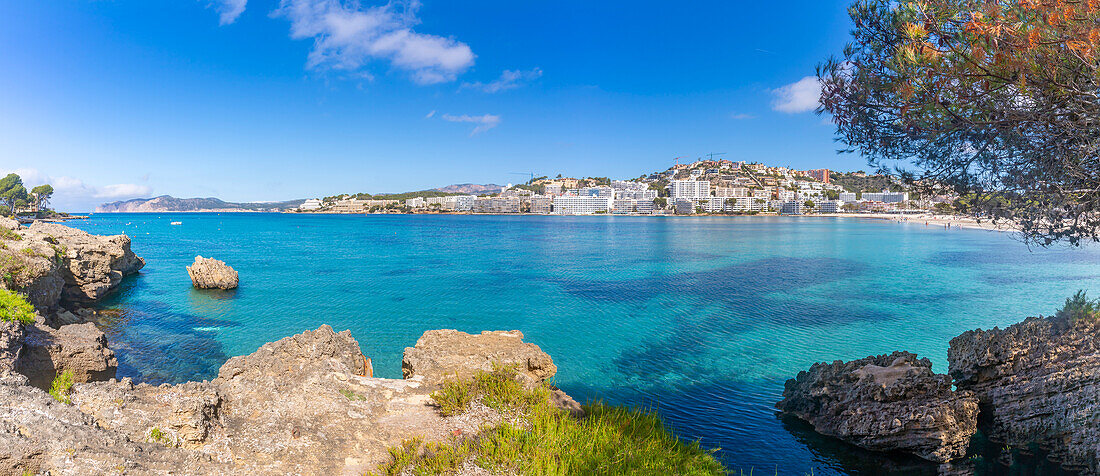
x,y
942,221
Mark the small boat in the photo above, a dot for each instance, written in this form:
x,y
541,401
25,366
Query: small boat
x,y
177,223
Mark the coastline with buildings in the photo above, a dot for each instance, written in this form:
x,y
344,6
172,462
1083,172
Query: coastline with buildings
x,y
705,187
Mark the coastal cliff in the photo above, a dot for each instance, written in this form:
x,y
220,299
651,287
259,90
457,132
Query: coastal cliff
x,y
1032,386
1038,382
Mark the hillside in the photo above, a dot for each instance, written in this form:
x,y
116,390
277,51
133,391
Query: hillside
x,y
166,203
472,188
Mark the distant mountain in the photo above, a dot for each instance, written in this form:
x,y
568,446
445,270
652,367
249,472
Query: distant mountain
x,y
167,203
472,188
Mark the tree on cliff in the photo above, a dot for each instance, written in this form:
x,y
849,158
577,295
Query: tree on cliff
x,y
12,192
996,100
41,195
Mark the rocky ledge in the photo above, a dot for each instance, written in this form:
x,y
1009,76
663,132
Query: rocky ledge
x,y
301,405
1036,383
1039,384
52,264
886,403
209,273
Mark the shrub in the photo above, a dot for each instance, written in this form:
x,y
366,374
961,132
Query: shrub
x,y
1079,308
62,387
14,308
540,439
6,234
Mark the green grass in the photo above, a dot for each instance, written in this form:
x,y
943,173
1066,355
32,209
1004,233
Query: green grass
x,y
1079,308
546,440
62,387
6,234
15,308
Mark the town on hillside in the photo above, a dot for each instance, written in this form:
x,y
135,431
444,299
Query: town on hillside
x,y
701,187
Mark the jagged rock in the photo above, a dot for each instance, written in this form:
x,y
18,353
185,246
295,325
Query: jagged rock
x,y
11,345
1039,382
8,223
91,266
187,413
80,348
444,354
209,273
300,405
40,435
51,263
886,403
31,267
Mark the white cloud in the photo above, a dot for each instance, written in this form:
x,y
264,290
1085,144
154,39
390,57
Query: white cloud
x,y
72,194
229,10
509,79
802,96
741,116
347,36
484,122
430,114
123,190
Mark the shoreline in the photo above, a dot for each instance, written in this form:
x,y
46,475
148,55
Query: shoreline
x,y
928,219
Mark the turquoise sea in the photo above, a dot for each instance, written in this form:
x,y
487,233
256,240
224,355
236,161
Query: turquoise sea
x,y
702,319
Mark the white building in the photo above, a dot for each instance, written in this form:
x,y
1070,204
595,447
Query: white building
x,y
542,204
847,196
581,205
886,196
689,189
631,186
311,204
416,202
793,207
830,206
644,194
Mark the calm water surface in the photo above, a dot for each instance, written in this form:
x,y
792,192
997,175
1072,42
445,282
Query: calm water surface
x,y
702,319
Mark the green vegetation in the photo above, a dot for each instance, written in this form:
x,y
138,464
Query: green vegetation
x,y
858,182
62,387
540,439
9,235
156,435
14,308
12,192
1079,308
352,395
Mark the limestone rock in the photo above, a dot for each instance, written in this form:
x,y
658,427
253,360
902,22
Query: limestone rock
x,y
80,348
39,435
886,403
51,263
300,405
187,413
92,266
30,266
1039,382
8,223
443,354
209,273
11,345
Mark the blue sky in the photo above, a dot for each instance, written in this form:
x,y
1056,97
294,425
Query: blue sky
x,y
283,99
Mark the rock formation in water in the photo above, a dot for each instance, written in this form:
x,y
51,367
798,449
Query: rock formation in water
x,y
1039,383
300,405
52,264
209,273
886,403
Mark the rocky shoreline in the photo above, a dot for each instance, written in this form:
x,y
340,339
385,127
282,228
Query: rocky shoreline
x,y
309,404
1034,387
306,404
